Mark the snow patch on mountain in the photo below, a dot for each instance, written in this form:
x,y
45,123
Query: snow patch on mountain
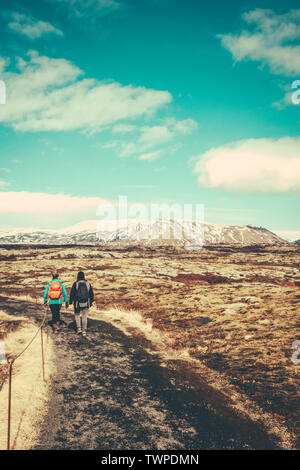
x,y
192,234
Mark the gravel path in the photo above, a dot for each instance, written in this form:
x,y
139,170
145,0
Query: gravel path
x,y
111,391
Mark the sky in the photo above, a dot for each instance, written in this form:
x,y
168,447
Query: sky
x,y
161,101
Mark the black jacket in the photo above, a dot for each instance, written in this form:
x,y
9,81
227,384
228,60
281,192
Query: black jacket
x,y
74,298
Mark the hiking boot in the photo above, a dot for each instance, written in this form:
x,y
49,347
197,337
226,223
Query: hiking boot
x,y
84,333
79,331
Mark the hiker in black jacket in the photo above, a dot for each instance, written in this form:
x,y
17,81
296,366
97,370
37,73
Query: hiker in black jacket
x,y
82,297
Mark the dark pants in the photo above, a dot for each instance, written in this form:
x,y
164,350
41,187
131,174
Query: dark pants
x,y
55,309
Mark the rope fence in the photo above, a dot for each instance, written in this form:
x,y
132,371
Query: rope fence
x,y
10,370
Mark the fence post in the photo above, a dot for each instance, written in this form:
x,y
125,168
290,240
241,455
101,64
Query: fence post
x,y
47,322
43,365
9,405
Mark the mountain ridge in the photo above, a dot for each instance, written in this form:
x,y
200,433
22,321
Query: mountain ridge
x,y
171,231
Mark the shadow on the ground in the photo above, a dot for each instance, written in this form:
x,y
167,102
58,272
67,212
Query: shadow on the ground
x,y
111,392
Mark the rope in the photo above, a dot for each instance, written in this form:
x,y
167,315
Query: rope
x,y
30,342
20,354
5,377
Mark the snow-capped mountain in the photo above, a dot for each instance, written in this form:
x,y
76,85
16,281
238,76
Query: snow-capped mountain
x,y
190,233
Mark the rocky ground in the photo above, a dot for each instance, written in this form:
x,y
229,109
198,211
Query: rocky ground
x,y
234,309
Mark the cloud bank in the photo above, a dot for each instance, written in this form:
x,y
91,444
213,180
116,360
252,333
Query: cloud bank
x,y
252,166
47,94
24,202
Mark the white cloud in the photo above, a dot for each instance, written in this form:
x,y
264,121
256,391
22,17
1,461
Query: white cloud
x,y
123,128
31,27
152,136
287,98
186,126
150,155
128,148
253,165
24,202
270,41
49,95
3,63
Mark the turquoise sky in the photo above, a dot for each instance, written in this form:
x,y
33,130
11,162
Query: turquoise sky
x,y
141,98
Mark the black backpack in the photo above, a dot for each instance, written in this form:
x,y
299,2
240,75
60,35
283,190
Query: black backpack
x,y
82,293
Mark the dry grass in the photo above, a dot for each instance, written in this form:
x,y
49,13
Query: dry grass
x,y
29,392
8,323
236,310
131,321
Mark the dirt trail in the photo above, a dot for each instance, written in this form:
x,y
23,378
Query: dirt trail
x,y
112,392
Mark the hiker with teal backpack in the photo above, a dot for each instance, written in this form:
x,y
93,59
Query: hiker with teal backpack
x,y
82,296
54,294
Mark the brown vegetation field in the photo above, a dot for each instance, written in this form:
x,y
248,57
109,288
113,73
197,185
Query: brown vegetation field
x,y
235,309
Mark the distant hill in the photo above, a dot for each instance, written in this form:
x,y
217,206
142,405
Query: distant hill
x,y
297,242
187,233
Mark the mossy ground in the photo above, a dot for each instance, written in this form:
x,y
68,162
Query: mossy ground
x,y
235,309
